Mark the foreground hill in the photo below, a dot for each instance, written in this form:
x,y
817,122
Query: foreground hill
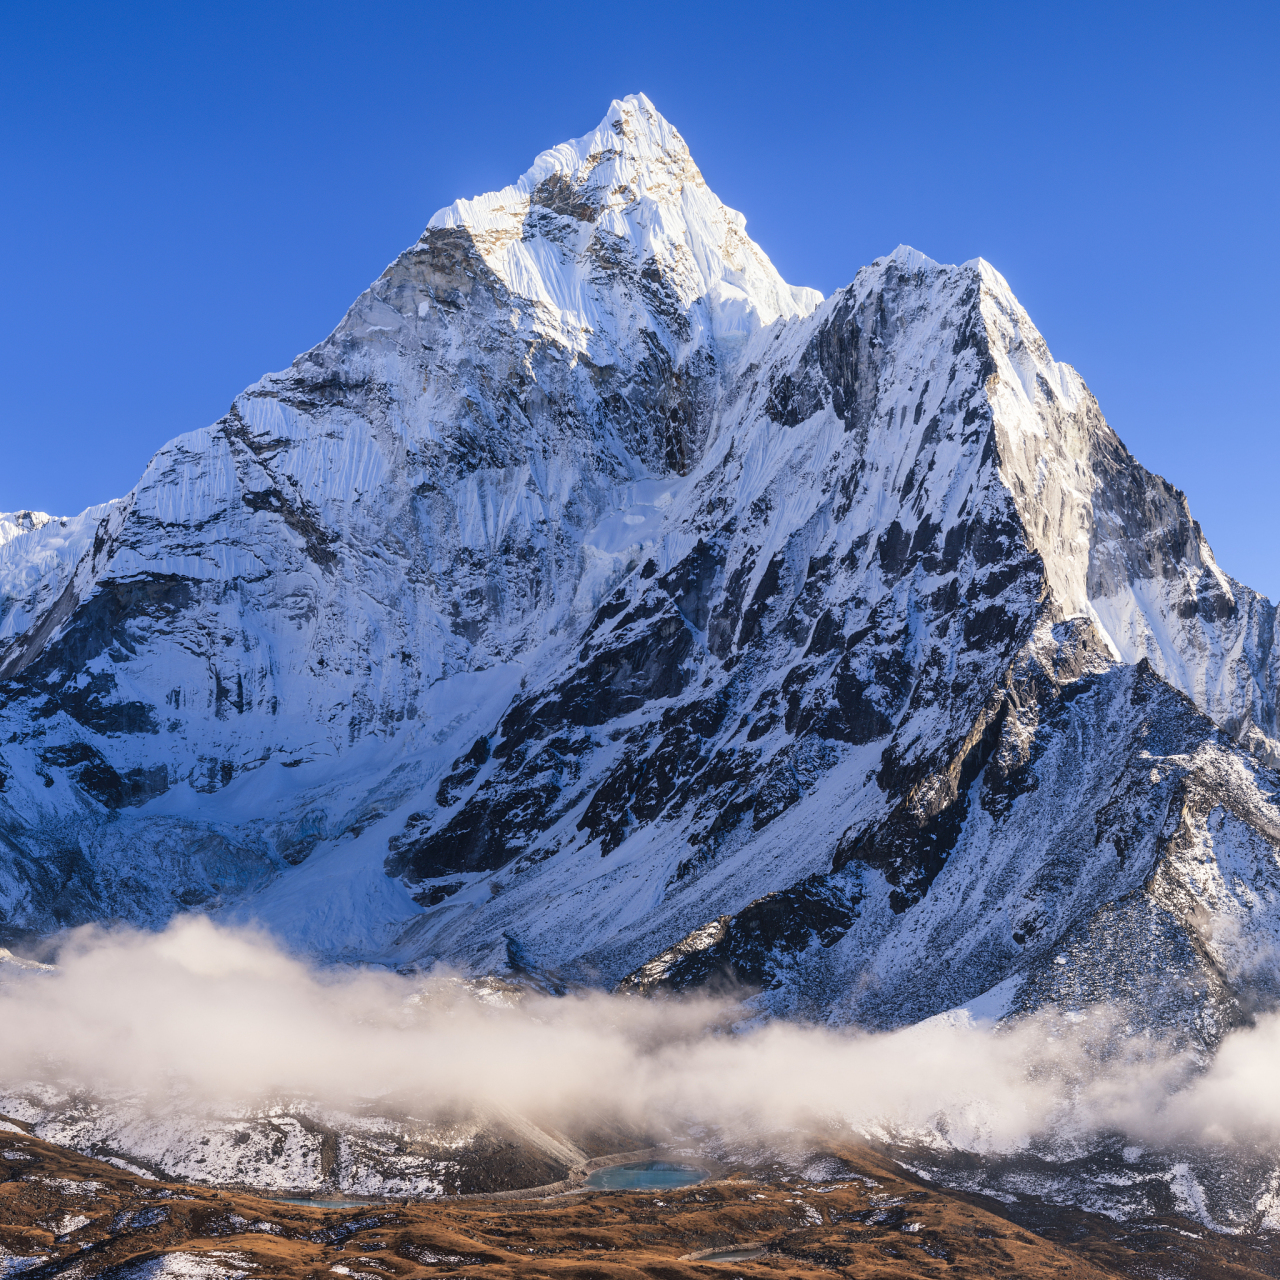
x,y
65,1215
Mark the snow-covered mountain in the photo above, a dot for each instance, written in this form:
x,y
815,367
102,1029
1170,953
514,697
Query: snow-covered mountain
x,y
592,603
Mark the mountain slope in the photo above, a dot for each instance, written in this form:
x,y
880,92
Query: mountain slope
x,y
593,604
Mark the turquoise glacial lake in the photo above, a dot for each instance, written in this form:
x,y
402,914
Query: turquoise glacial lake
x,y
649,1175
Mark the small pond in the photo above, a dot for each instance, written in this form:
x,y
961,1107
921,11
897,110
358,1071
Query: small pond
x,y
649,1175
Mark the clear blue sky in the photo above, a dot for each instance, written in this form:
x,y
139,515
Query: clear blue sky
x,y
192,194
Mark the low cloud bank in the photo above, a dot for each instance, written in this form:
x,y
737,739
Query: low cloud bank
x,y
224,1017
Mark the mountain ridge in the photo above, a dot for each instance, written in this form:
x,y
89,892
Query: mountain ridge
x,y
592,608
458,615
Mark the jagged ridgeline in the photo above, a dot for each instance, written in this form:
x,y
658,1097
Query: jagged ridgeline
x,y
595,606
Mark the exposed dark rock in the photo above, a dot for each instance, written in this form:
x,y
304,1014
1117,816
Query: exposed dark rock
x,y
747,948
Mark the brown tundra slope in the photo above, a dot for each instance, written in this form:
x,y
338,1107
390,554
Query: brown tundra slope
x,y
64,1214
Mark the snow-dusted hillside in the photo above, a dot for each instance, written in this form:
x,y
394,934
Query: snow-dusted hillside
x,y
592,602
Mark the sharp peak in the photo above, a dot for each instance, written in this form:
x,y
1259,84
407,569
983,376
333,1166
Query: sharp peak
x,y
632,130
905,258
909,261
635,111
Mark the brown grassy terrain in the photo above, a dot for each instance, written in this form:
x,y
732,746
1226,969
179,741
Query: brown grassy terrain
x,y
85,1218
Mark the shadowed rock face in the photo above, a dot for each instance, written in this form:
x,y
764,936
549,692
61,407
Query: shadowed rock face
x,y
592,597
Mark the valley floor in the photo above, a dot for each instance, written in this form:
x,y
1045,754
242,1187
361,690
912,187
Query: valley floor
x,y
67,1215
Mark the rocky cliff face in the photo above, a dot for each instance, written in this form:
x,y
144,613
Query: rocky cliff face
x,y
594,604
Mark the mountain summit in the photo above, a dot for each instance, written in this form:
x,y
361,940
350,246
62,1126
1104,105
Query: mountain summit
x,y
628,194
592,604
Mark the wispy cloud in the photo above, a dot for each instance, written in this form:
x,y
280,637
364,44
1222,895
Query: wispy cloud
x,y
224,1016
